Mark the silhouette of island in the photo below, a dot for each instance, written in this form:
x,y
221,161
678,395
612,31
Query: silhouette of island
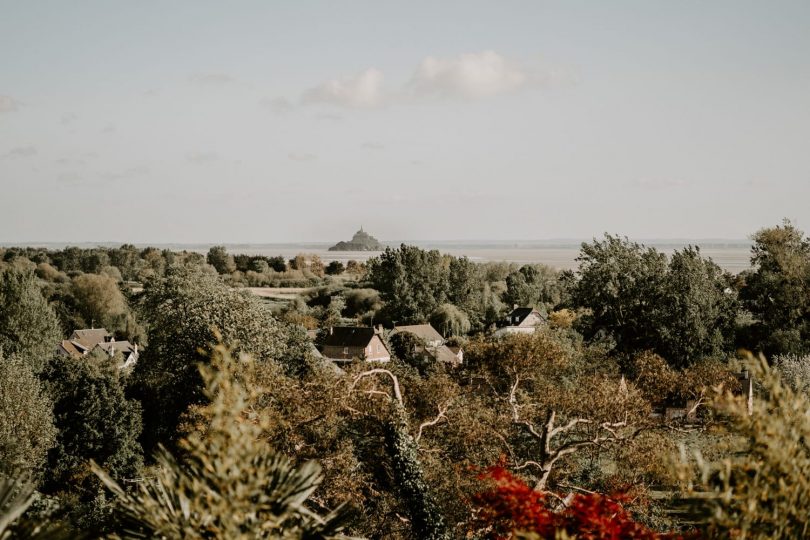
x,y
361,241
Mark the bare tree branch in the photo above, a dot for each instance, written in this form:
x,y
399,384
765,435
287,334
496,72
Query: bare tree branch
x,y
439,417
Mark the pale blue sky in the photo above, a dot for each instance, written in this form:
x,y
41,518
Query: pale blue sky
x,y
296,121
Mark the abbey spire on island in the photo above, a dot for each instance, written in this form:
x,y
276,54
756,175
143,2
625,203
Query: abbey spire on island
x,y
361,241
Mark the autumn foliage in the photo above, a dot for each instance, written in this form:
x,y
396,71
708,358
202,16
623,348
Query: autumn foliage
x,y
511,507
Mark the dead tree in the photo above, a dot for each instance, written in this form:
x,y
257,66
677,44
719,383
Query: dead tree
x,y
555,442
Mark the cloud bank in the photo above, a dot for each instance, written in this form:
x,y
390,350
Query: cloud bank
x,y
467,76
362,90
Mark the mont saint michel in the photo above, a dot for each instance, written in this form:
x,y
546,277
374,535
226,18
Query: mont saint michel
x,y
361,241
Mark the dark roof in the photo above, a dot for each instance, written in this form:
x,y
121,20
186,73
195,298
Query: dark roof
x,y
121,346
521,313
349,336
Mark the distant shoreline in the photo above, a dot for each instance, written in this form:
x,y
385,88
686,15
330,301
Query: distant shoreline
x,y
731,255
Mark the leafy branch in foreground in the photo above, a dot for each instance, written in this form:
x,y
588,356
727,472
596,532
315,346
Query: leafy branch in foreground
x,y
230,483
16,496
765,493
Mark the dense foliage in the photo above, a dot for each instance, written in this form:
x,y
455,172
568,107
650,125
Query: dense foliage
x,y
633,351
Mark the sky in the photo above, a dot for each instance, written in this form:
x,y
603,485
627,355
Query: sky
x,y
259,122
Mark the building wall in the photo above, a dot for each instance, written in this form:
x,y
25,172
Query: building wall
x,y
532,320
375,351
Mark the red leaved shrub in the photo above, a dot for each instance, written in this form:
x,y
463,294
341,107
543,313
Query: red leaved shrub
x,y
512,506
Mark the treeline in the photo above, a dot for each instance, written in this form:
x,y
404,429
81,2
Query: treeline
x,y
577,407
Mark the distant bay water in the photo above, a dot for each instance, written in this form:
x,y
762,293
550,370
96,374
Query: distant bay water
x,y
731,255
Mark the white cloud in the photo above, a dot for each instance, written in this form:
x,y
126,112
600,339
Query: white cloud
x,y
8,104
302,156
373,146
362,90
474,75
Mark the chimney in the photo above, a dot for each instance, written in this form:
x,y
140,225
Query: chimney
x,y
515,306
379,329
330,331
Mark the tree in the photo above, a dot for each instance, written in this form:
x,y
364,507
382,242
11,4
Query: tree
x,y
95,421
683,309
697,314
412,282
355,268
218,258
99,301
763,493
534,285
427,520
277,263
29,327
186,311
229,482
26,419
334,268
777,293
450,320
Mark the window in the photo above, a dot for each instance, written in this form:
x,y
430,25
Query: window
x,y
345,350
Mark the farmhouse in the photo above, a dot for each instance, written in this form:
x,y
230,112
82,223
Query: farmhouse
x,y
82,342
435,346
521,320
346,343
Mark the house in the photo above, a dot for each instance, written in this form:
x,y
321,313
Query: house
x,y
82,342
425,332
346,343
521,320
434,343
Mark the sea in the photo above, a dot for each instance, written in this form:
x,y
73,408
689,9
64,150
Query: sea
x,y
731,255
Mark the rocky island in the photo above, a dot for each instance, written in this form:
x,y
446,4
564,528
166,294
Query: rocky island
x,y
361,241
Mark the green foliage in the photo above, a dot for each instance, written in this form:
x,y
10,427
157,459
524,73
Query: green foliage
x,y
229,484
778,291
450,321
185,311
218,258
16,497
795,371
29,327
534,286
26,419
412,282
426,517
682,309
763,492
95,421
335,268
100,302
